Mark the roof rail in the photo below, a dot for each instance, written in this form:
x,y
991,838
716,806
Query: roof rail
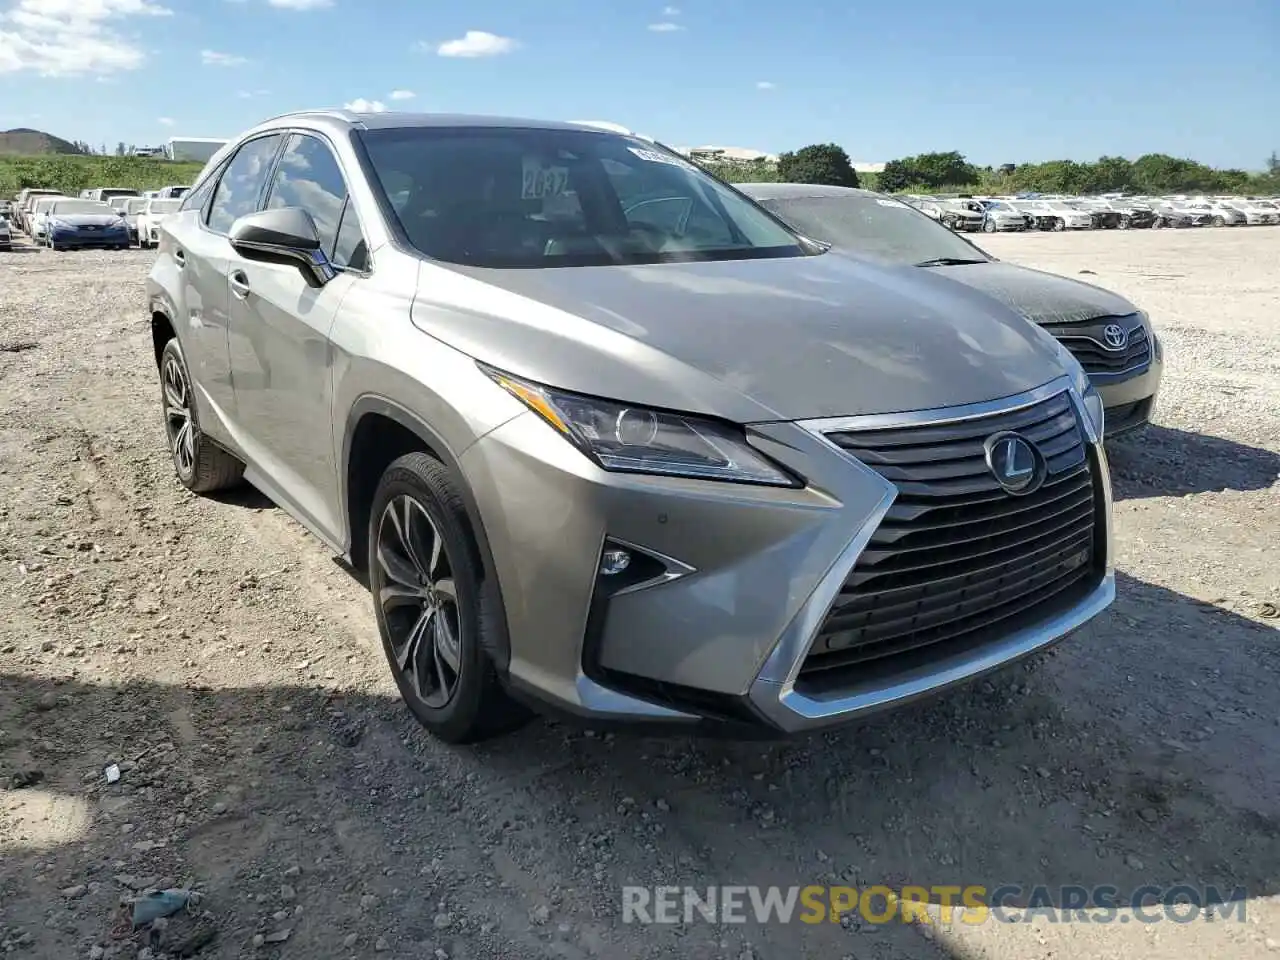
x,y
321,111
611,127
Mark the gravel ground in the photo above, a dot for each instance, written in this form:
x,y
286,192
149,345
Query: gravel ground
x,y
215,653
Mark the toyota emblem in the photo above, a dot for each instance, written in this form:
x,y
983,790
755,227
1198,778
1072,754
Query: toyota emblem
x,y
1014,461
1115,336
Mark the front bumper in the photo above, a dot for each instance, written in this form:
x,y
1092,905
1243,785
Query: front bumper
x,y
735,580
77,239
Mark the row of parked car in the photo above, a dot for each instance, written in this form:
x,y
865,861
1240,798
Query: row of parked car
x,y
997,214
103,217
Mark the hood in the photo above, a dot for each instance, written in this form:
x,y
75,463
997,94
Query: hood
x,y
748,340
86,219
1042,297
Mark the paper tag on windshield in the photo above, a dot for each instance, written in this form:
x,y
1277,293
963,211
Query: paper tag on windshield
x,y
543,181
656,156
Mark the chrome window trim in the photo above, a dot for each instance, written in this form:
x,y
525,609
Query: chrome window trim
x,y
773,691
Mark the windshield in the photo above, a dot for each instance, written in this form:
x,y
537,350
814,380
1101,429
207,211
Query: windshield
x,y
164,206
135,205
73,207
43,204
872,225
525,198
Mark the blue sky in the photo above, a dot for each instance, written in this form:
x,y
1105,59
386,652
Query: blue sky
x,y
1000,81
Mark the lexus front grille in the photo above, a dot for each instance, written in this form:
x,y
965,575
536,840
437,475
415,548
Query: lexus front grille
x,y
957,560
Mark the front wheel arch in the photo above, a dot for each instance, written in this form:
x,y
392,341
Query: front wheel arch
x,y
378,432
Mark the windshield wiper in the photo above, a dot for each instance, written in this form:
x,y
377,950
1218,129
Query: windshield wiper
x,y
948,261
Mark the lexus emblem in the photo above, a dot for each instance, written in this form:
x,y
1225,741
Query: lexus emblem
x,y
1115,336
1015,462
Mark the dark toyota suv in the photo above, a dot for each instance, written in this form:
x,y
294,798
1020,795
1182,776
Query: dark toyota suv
x,y
1113,340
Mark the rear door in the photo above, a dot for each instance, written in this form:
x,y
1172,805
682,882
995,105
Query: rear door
x,y
281,358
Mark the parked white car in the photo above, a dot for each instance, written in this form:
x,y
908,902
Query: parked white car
x,y
6,233
1221,214
955,214
38,218
150,218
131,208
1056,215
1001,215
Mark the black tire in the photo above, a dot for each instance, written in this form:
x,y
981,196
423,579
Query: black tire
x,y
468,703
1059,225
1157,223
1219,221
988,226
201,465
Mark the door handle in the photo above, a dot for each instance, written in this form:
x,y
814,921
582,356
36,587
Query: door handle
x,y
180,258
239,284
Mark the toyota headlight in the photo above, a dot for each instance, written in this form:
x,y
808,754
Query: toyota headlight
x,y
1083,386
624,438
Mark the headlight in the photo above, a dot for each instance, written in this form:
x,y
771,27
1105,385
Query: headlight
x,y
628,439
1082,385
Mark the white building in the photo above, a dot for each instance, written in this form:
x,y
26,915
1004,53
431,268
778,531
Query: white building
x,y
727,155
194,149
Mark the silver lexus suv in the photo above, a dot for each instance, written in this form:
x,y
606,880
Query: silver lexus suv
x,y
608,438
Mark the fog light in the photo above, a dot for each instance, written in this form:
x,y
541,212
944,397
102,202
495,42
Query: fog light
x,y
614,560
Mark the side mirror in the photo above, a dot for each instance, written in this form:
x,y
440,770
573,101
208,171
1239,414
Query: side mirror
x,y
285,235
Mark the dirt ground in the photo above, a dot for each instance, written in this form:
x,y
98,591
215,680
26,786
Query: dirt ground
x,y
215,653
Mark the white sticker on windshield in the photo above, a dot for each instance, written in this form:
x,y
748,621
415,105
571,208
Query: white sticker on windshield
x,y
656,156
541,181
893,203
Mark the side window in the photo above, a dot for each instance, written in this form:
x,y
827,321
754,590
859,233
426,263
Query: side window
x,y
308,176
198,198
350,250
241,184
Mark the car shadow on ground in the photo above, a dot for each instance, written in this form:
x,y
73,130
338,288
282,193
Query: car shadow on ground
x,y
1165,462
1135,753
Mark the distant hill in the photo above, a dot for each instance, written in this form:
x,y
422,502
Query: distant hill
x,y
22,141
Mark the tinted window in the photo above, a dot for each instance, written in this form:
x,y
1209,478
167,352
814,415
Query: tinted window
x,y
872,225
308,176
350,250
518,197
241,185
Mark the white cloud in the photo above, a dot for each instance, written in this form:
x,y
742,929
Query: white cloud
x,y
671,11
361,105
402,95
300,4
212,58
666,26
766,85
59,38
250,94
477,43
165,121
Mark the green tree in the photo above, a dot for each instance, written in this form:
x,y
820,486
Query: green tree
x,y
895,177
825,163
942,169
1109,174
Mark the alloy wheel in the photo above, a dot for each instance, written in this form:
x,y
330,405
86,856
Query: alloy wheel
x,y
177,416
415,587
